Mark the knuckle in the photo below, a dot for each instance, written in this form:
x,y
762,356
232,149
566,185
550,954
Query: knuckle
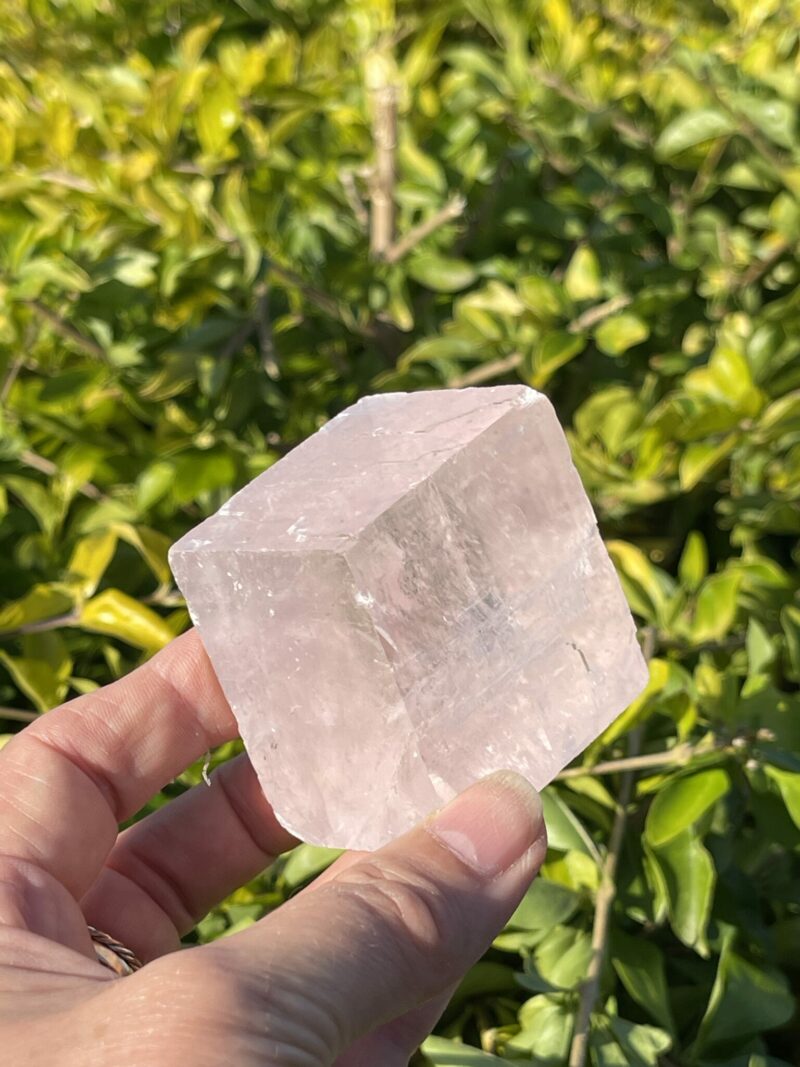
x,y
404,901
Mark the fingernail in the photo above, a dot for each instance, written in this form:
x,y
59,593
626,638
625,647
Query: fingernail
x,y
492,824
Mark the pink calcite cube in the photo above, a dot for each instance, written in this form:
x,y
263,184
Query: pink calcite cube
x,y
414,597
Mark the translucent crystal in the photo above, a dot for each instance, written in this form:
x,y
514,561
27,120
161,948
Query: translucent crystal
x,y
414,597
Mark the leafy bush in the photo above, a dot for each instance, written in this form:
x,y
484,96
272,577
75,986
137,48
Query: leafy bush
x,y
199,265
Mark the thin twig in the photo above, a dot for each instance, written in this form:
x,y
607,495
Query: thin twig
x,y
384,135
67,330
585,105
604,903
756,271
681,754
266,339
486,371
238,338
311,293
453,209
347,180
18,715
14,368
54,623
46,466
602,917
596,314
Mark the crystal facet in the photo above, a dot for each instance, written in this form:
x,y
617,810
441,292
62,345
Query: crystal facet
x,y
414,597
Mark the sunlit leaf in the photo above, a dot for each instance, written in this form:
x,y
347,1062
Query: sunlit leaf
x,y
116,614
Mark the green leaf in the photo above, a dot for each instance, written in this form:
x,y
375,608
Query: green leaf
x,y
692,128
642,1046
543,297
151,545
116,614
617,334
693,564
442,1052
746,999
556,348
582,279
790,621
546,1026
700,458
565,831
545,904
43,671
38,499
690,878
761,650
200,472
641,969
306,862
154,484
644,585
218,117
789,787
562,957
681,802
717,606
440,273
131,266
89,559
42,602
775,118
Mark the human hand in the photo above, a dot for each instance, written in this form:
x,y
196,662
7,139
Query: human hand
x,y
353,971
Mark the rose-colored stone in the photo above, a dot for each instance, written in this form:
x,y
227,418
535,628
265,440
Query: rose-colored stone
x,y
414,597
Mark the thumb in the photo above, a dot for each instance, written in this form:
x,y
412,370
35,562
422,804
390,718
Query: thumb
x,y
396,927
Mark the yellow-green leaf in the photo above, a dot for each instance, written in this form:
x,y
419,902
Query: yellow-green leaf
x,y
151,545
701,458
42,602
717,604
218,117
616,335
116,614
43,670
582,280
89,559
693,564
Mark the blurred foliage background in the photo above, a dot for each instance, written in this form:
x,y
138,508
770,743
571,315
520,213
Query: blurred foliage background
x,y
224,220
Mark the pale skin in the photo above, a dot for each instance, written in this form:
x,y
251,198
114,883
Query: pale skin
x,y
354,971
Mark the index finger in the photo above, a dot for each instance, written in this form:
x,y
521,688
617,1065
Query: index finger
x,y
69,779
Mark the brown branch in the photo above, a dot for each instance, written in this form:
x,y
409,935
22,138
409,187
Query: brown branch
x,y
453,209
756,271
486,371
66,330
622,125
384,135
347,181
54,623
266,339
18,715
237,339
46,466
604,904
596,314
679,755
13,370
314,296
